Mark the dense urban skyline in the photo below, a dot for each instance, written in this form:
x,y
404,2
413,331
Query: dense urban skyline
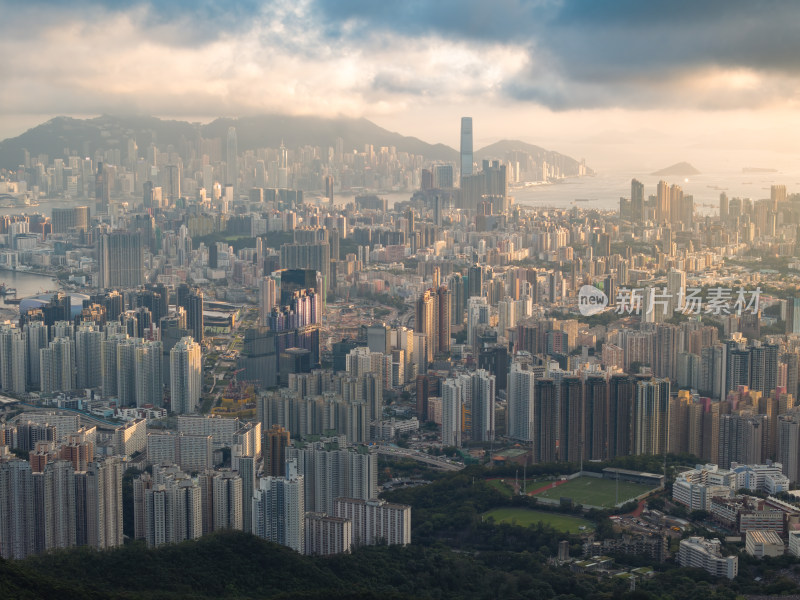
x,y
681,80
303,329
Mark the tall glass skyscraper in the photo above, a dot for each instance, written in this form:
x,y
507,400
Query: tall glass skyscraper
x,y
232,161
466,146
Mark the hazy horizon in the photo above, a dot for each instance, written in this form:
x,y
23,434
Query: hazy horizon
x,y
622,85
606,151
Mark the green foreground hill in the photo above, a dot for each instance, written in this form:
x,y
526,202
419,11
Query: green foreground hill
x,y
237,565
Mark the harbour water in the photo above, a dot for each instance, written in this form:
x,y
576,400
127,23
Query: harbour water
x,y
26,284
603,191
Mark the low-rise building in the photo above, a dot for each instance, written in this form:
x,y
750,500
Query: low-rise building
x,y
651,545
763,543
794,542
376,521
327,535
705,554
131,437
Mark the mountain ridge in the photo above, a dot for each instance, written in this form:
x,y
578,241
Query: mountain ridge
x,y
62,136
678,169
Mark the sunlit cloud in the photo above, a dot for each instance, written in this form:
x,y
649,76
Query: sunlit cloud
x,y
543,66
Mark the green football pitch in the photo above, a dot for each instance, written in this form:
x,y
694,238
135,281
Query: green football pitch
x,y
595,492
525,517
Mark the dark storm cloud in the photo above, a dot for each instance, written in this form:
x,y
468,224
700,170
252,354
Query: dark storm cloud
x,y
198,21
586,53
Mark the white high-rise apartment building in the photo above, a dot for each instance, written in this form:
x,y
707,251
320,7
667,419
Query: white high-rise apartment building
x,y
227,493
13,360
267,298
186,376
99,504
149,379
173,511
126,371
17,518
37,338
452,407
482,405
221,430
88,356
520,401
108,362
279,509
334,472
57,366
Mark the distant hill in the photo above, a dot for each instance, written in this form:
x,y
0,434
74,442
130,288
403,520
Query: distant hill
x,y
84,136
64,136
678,169
514,149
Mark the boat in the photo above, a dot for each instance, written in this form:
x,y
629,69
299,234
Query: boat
x,y
5,290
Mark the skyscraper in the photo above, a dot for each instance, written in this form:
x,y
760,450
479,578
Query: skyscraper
x,y
520,424
149,376
121,260
173,511
651,417
466,146
57,366
17,518
267,298
67,219
279,509
88,356
452,410
194,315
185,376
99,504
36,334
316,256
427,321
13,359
227,492
102,189
275,460
126,370
662,202
482,409
247,472
545,414
232,161
595,417
570,420
637,201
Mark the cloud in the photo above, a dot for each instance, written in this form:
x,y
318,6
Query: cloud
x,y
361,57
584,54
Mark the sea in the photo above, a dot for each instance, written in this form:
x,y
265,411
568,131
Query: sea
x,y
603,190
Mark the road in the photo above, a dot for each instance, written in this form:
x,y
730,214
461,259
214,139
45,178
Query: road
x,y
434,461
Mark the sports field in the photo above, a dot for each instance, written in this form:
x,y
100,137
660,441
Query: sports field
x,y
525,517
502,486
507,488
595,492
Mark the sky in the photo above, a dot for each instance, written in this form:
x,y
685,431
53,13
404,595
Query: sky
x,y
625,83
